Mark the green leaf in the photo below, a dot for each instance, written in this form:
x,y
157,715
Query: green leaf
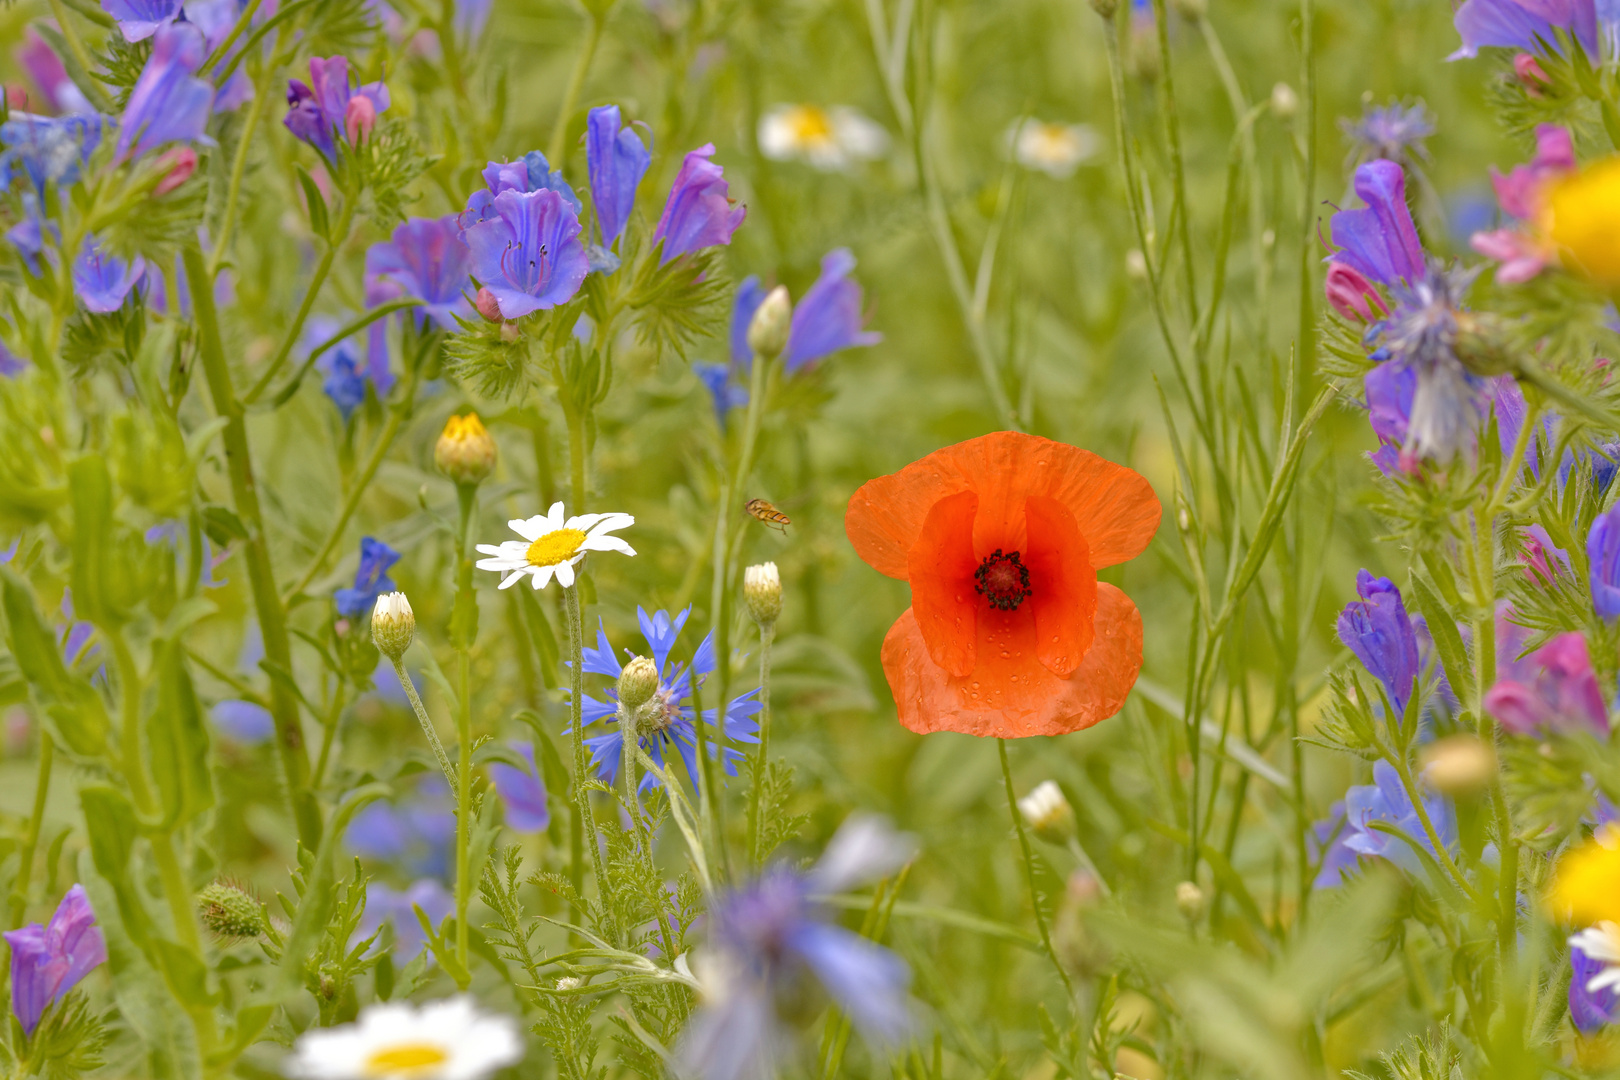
x,y
1443,628
109,821
178,738
222,524
75,712
186,975
91,487
318,217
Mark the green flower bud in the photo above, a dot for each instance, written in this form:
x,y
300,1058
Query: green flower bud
x,y
393,625
762,588
768,332
638,682
230,911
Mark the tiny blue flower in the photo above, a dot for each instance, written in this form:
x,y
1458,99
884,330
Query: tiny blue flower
x,y
1376,628
1384,801
103,281
716,379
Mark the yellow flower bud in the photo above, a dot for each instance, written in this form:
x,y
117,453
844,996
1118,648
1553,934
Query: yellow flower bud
x,y
465,451
1582,217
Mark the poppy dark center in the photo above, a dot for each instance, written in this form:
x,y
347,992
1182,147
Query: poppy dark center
x,y
1003,580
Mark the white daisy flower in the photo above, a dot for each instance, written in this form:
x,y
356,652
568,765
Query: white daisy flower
x,y
554,546
444,1040
1601,943
1054,149
831,139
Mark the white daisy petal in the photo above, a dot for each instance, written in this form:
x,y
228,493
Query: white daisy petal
x,y
583,522
542,576
447,1040
612,523
490,549
565,574
608,543
512,579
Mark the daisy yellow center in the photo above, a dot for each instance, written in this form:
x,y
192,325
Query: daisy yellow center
x,y
407,1059
810,124
555,547
1053,142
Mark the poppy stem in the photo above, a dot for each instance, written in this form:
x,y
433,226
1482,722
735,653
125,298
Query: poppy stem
x,y
1029,874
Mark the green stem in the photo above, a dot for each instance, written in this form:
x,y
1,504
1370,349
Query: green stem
x,y
576,456
256,551
464,631
576,691
30,844
334,243
328,736
711,800
426,721
233,193
576,83
1029,872
767,633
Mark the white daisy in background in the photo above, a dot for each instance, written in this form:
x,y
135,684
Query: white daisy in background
x,y
554,546
1601,943
832,139
444,1040
1054,149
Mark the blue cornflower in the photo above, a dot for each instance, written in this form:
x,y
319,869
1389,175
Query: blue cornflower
x,y
1377,629
101,280
328,106
49,149
699,213
1393,131
140,19
371,579
769,934
617,160
522,792
828,317
1384,801
398,908
673,719
168,103
716,379
1448,401
418,833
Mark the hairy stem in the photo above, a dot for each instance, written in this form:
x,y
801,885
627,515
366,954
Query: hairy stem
x,y
767,633
1029,872
30,844
426,721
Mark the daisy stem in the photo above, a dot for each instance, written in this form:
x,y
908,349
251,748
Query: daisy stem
x,y
1029,873
463,632
576,690
767,633
25,865
426,722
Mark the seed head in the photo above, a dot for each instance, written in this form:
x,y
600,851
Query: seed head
x,y
762,588
465,451
393,624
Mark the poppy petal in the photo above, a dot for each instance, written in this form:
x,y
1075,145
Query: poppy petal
x,y
1064,597
1114,507
1009,694
941,570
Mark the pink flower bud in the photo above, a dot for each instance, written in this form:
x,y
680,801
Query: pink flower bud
x,y
1529,72
1352,295
181,163
359,118
487,305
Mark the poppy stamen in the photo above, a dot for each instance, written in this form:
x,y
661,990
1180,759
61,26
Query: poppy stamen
x,y
1003,580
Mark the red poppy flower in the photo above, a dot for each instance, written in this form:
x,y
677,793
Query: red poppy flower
x,y
1009,632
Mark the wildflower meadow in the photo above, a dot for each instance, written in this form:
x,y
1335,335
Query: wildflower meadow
x,y
732,539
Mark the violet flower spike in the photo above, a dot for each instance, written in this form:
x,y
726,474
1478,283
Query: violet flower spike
x,y
47,961
1379,241
169,103
1521,24
699,213
617,160
1377,629
529,255
319,110
1603,562
425,259
140,19
1551,690
828,317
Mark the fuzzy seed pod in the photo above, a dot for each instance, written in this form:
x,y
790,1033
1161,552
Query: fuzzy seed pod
x,y
230,911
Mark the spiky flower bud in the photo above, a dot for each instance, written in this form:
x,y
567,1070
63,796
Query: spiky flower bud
x,y
393,624
1190,901
568,982
465,451
230,911
768,332
487,305
762,588
359,118
1048,813
638,682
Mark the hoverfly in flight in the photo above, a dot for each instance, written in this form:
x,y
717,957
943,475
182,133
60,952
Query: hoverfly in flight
x,y
768,514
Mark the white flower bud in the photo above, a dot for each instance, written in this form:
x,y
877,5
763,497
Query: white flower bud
x,y
762,588
393,624
1190,901
1048,813
1136,264
768,331
1284,102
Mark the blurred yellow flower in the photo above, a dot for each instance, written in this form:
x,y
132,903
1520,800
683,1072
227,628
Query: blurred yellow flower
x,y
465,451
1582,217
1587,888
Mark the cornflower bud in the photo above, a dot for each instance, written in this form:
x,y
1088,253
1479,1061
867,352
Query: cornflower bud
x,y
393,624
762,588
359,118
487,305
181,163
638,682
1190,901
229,911
465,452
773,319
1459,764
1284,102
1048,813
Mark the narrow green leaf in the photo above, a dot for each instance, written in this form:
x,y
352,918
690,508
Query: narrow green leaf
x,y
319,221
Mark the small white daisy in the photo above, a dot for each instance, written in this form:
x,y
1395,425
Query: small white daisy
x,y
831,139
1601,943
443,1040
554,546
1054,149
